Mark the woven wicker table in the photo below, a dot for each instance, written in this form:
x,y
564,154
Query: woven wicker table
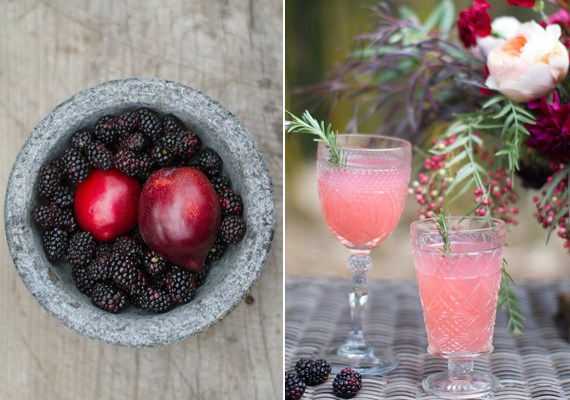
x,y
533,366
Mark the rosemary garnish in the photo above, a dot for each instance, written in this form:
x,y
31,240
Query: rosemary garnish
x,y
310,125
443,229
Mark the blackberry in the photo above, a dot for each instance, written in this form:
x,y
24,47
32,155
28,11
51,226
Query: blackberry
x,y
55,243
62,196
81,248
188,144
127,122
162,155
134,142
294,387
149,124
100,269
230,202
144,167
104,130
47,216
128,277
82,280
232,229
99,156
313,372
172,124
80,140
155,299
128,247
68,220
173,142
217,250
154,264
200,276
180,285
126,161
76,167
102,249
347,383
220,183
49,179
210,162
108,298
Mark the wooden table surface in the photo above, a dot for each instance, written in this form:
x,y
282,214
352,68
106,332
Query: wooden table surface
x,y
232,51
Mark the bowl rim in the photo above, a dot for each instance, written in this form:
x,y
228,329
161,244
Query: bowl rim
x,y
149,331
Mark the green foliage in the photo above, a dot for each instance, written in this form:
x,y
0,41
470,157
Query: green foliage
x,y
310,125
514,117
508,298
499,117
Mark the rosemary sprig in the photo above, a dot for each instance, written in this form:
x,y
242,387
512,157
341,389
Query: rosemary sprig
x,y
308,124
443,229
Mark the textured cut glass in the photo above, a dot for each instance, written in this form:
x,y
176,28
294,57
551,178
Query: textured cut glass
x,y
459,292
362,198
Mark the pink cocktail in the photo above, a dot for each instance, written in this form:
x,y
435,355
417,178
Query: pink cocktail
x,y
363,209
459,290
363,182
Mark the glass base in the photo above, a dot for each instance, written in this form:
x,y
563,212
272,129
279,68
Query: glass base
x,y
477,385
369,361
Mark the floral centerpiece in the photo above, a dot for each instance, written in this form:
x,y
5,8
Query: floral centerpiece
x,y
482,99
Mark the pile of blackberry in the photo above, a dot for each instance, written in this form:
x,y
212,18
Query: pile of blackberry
x,y
126,271
310,372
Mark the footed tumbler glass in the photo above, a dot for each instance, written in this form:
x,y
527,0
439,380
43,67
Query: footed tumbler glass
x,y
363,183
458,289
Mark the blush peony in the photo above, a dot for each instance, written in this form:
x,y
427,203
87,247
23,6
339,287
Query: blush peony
x,y
528,65
503,28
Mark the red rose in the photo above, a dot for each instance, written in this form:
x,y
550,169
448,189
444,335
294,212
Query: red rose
x,y
474,22
522,3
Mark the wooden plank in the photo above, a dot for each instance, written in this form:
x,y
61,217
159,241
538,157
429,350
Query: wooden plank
x,y
232,51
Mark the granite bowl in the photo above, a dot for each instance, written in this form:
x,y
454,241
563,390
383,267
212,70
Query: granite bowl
x,y
230,278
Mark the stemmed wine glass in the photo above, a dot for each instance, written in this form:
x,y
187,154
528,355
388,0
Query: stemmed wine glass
x,y
363,182
459,274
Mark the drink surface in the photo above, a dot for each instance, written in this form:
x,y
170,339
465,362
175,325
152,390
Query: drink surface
x,y
362,205
459,297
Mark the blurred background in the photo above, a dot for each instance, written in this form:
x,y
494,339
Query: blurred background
x,y
318,36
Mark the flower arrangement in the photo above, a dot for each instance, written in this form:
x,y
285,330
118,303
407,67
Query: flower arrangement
x,y
486,100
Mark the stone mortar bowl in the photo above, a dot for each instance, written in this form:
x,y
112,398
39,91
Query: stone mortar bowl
x,y
230,278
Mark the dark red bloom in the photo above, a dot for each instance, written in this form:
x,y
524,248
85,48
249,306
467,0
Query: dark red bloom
x,y
473,22
522,3
551,134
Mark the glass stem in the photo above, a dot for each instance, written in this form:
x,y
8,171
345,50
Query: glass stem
x,y
459,370
358,264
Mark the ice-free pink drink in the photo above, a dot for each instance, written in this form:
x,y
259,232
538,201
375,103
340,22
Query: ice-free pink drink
x,y
362,204
459,296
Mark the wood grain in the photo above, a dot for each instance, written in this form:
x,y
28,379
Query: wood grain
x,y
229,49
